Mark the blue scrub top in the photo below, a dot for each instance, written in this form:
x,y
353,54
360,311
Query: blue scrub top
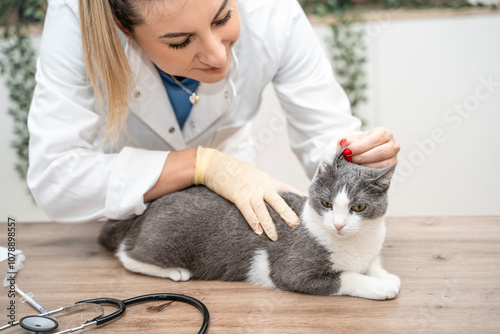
x,y
179,98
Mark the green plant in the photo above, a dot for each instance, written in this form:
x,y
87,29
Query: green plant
x,y
324,7
17,66
348,52
418,4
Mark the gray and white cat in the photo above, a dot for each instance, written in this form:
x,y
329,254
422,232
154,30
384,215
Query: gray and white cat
x,y
335,250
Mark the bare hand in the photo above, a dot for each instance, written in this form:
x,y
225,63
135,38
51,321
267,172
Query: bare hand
x,y
375,148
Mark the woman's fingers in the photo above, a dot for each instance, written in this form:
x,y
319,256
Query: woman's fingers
x,y
281,207
248,213
257,215
260,209
376,148
378,157
286,188
368,140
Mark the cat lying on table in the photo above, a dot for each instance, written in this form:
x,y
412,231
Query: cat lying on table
x,y
335,250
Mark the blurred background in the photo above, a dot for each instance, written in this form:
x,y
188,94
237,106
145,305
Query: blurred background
x,y
428,70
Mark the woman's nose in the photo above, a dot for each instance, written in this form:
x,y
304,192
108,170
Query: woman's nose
x,y
214,53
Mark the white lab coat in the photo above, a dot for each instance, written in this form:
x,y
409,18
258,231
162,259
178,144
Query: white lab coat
x,y
73,179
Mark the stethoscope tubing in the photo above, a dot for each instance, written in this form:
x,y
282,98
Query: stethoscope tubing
x,y
110,301
123,304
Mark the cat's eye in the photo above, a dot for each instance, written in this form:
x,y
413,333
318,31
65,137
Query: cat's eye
x,y
326,204
359,207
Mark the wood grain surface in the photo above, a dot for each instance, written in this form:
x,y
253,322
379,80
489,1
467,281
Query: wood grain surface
x,y
449,267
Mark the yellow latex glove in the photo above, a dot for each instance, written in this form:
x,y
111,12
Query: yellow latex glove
x,y
247,187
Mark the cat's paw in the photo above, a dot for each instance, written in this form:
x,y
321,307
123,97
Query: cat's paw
x,y
389,277
376,270
178,274
393,279
379,289
369,287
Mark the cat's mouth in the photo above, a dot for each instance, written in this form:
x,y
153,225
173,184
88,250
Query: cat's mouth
x,y
342,233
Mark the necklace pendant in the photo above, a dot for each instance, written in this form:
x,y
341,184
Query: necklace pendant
x,y
194,98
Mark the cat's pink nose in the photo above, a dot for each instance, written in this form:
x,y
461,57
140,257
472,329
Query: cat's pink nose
x,y
339,226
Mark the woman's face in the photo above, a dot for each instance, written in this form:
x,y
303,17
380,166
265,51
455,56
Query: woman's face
x,y
190,38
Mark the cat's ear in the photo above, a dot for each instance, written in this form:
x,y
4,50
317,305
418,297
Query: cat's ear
x,y
338,159
323,167
328,165
384,176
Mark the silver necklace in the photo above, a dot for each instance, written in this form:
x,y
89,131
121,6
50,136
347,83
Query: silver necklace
x,y
194,98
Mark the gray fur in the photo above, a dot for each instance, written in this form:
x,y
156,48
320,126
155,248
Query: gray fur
x,y
198,230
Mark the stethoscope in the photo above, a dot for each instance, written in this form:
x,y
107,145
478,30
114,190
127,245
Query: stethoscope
x,y
45,322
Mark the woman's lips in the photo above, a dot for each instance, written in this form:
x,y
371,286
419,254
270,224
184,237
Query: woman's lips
x,y
211,70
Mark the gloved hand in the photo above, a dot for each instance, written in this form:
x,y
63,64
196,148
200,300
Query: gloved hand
x,y
245,186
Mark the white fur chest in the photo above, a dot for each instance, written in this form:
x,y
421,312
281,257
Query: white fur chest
x,y
352,252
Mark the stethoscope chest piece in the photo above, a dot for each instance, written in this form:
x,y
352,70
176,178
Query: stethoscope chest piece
x,y
38,323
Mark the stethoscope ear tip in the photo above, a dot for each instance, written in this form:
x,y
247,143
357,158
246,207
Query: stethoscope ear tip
x,y
38,323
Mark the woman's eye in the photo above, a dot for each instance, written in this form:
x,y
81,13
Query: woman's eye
x,y
224,20
186,42
326,204
359,207
182,44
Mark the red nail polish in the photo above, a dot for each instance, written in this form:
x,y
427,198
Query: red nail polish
x,y
348,159
347,151
342,141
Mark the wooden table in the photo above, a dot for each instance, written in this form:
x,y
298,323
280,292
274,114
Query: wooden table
x,y
449,267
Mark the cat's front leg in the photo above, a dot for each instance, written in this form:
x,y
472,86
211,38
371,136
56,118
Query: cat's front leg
x,y
375,269
363,286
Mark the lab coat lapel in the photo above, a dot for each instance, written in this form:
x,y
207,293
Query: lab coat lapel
x,y
150,101
215,100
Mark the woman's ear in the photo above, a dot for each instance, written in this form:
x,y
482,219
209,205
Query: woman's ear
x,y
122,29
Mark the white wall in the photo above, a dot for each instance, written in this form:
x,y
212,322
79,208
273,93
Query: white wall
x,y
445,116
419,72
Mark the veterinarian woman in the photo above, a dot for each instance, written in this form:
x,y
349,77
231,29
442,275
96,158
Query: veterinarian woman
x,y
127,90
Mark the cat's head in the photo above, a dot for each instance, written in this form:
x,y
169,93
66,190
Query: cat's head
x,y
345,194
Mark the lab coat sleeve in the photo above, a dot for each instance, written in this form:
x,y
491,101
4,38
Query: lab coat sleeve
x,y
71,179
317,108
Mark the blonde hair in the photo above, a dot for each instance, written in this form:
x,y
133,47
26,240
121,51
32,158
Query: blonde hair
x,y
107,65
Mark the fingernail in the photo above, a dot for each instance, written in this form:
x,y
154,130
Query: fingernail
x,y
348,159
294,222
259,230
342,141
290,218
347,151
273,237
